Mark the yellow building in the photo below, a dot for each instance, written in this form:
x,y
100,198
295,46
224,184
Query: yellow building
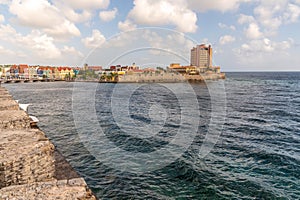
x,y
175,65
64,72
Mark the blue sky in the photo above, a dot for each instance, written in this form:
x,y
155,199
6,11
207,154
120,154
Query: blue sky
x,y
257,35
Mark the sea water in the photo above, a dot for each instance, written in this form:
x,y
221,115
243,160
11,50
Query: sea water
x,y
255,156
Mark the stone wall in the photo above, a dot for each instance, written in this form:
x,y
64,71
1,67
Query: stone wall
x,y
14,119
7,104
151,77
51,190
4,94
26,157
5,97
30,167
163,77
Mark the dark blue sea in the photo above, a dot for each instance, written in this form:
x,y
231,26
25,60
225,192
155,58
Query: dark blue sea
x,y
237,139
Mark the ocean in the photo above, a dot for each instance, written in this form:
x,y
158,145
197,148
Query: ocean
x,y
232,139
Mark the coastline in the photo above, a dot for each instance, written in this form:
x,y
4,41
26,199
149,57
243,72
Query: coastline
x,y
166,78
138,78
30,165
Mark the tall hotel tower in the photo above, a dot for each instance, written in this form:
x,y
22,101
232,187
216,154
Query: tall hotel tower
x,y
201,56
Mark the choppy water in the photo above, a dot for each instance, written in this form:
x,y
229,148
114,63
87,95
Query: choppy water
x,y
257,155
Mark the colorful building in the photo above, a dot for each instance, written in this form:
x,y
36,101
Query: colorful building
x,y
65,72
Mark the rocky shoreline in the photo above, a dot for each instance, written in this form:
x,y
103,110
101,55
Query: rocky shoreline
x,y
30,166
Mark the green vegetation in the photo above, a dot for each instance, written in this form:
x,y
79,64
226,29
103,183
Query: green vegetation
x,y
160,69
109,77
87,74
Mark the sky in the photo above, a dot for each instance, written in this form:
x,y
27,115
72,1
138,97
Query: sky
x,y
257,35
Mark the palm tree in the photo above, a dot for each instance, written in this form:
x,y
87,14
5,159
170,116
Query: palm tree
x,y
114,76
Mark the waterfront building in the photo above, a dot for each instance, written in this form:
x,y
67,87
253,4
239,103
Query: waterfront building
x,y
201,62
175,65
32,70
23,69
113,68
94,68
65,72
47,72
201,56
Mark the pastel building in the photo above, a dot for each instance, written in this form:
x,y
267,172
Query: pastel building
x,y
64,72
32,72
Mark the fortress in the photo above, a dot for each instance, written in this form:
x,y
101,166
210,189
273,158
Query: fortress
x,y
200,69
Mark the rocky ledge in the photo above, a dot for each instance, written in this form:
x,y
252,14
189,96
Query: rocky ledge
x,y
30,166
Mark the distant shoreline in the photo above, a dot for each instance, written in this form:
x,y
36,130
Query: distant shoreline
x,y
136,78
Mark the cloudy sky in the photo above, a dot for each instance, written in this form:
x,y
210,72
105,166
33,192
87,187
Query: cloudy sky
x,y
245,34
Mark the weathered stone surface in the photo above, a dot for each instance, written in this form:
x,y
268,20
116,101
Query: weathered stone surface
x,y
14,119
28,169
168,77
2,89
51,190
152,77
27,156
8,105
5,97
2,92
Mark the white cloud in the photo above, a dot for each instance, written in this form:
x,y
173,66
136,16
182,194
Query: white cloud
x,y
2,19
63,30
71,51
108,15
80,11
272,14
265,53
41,14
265,45
245,19
88,4
226,39
72,15
95,40
164,12
127,25
166,42
220,5
268,17
292,13
124,39
224,26
36,42
268,14
35,13
232,27
4,51
40,44
4,1
253,31
35,46
6,31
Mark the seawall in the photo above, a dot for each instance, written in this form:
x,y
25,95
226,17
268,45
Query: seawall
x,y
30,166
168,77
